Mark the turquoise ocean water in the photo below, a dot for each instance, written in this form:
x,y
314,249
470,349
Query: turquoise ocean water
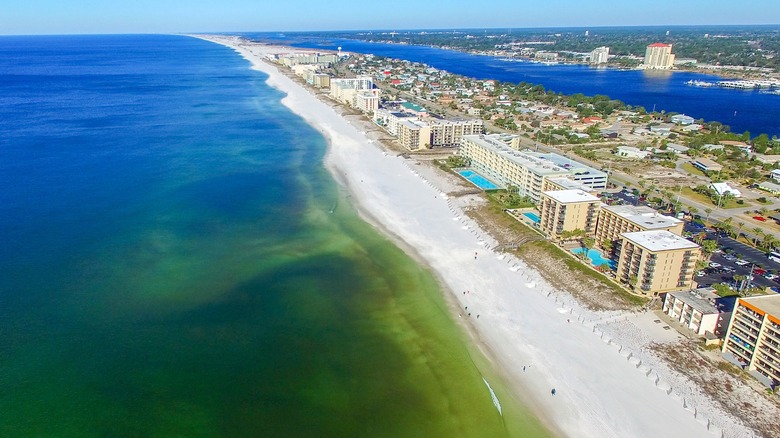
x,y
170,266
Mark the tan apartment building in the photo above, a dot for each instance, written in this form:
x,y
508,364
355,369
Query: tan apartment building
x,y
753,337
447,133
414,135
651,262
509,167
367,101
615,220
567,210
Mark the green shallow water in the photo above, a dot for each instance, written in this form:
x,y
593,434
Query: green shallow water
x,y
222,286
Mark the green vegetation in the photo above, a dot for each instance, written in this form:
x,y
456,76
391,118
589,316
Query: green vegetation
x,y
509,200
693,170
724,291
754,47
584,270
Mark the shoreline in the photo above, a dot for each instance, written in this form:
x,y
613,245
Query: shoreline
x,y
599,391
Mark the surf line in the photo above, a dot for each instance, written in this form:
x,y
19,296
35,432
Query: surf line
x,y
493,396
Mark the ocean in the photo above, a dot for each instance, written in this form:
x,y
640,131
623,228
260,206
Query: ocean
x,y
741,110
176,261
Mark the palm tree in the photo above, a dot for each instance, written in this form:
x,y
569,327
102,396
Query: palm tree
x,y
769,241
693,211
707,211
759,233
739,228
763,211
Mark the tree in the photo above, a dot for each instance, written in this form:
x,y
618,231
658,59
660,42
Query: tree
x,y
693,211
763,211
759,233
707,211
739,228
709,246
769,241
588,242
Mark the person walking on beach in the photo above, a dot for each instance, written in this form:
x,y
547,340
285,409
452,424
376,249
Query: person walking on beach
x,y
553,391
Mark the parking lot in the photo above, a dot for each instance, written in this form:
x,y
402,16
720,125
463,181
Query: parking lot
x,y
734,258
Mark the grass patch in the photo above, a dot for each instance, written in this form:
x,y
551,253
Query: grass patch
x,y
729,368
506,199
579,268
693,170
704,199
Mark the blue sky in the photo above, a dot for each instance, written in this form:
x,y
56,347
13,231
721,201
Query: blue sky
x,y
164,16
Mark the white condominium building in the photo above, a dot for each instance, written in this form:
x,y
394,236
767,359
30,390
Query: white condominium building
x,y
510,167
599,55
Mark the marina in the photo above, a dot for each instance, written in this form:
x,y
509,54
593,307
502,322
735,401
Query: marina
x,y
737,85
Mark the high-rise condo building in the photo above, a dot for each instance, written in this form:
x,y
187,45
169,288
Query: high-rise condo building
x,y
659,57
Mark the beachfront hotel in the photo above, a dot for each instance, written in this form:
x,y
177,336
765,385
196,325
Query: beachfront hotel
x,y
658,56
651,262
583,174
414,134
345,90
702,311
753,337
615,220
498,161
449,132
567,210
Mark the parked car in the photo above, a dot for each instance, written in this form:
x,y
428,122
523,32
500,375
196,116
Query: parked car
x,y
715,265
742,262
759,271
700,274
770,276
729,257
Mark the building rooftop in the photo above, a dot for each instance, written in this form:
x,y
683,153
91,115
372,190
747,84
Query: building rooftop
x,y
571,196
768,303
659,240
413,107
706,301
571,166
569,184
643,216
534,164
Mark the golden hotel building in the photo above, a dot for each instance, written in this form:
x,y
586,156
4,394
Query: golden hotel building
x,y
567,210
615,220
651,262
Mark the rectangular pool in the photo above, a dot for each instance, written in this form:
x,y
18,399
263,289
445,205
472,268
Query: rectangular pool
x,y
478,180
533,216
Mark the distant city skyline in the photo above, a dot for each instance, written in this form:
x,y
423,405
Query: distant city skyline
x,y
177,16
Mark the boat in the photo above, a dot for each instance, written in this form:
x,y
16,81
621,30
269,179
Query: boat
x,y
700,83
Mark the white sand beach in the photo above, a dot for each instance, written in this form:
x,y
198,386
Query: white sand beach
x,y
607,383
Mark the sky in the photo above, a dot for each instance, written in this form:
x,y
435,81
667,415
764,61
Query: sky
x,y
178,16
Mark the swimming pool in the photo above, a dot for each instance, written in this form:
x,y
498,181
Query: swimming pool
x,y
478,180
533,216
596,258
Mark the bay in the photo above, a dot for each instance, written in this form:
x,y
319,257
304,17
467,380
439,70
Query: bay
x,y
742,110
